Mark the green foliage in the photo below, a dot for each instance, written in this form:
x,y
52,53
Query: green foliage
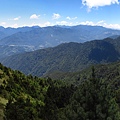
x,y
33,98
22,109
30,97
94,100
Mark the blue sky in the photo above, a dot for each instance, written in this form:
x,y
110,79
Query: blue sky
x,y
18,13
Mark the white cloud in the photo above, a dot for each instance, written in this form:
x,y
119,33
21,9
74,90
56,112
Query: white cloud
x,y
66,23
62,23
112,26
3,23
56,16
69,18
97,3
45,24
101,23
87,23
74,18
34,16
15,26
17,18
12,25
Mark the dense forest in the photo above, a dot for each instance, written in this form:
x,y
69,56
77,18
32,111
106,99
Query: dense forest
x,y
67,57
91,95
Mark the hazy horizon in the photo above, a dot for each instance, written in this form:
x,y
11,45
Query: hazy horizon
x,y
41,13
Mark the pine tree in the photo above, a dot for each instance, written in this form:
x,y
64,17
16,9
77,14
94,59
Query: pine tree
x,y
94,100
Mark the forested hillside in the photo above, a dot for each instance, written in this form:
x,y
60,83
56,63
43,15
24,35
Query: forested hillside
x,y
31,98
67,57
96,97
70,89
109,72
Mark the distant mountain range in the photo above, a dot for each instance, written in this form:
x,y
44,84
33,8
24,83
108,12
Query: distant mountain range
x,y
5,32
25,39
67,57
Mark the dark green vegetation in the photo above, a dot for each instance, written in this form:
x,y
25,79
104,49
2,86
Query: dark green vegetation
x,y
26,39
92,94
66,91
67,57
31,98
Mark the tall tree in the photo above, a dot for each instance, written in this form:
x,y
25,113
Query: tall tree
x,y
94,100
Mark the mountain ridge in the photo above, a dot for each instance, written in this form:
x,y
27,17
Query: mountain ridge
x,y
51,36
66,57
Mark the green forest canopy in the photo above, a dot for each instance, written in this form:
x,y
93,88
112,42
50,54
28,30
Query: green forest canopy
x,y
33,98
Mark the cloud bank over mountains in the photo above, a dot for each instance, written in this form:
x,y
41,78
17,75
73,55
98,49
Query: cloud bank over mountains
x,y
70,14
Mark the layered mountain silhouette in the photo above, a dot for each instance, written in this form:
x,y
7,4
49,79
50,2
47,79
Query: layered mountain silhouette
x,y
25,39
67,57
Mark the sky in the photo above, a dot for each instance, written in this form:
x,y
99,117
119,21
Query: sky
x,y
19,13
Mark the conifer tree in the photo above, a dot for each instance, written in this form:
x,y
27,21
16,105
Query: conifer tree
x,y
94,100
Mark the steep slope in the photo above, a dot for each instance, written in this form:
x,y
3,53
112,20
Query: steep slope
x,y
68,57
28,97
108,72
